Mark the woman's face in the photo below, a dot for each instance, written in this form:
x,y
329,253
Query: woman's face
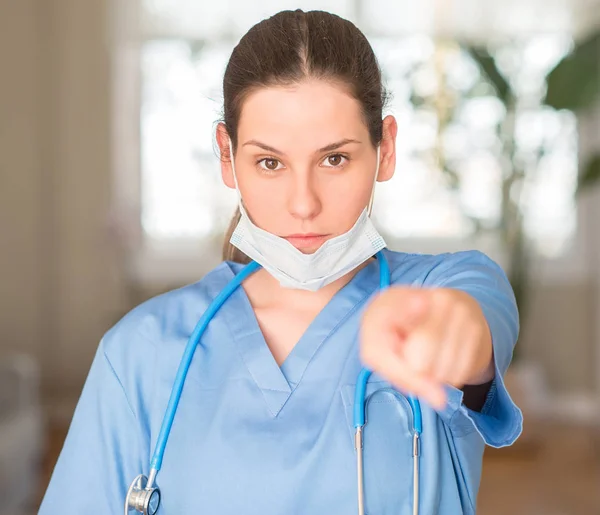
x,y
304,162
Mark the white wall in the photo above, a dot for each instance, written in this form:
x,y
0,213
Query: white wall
x,y
20,185
60,288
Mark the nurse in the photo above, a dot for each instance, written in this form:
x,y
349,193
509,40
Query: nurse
x,y
265,423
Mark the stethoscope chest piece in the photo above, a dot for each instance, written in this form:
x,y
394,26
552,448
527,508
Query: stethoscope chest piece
x,y
142,499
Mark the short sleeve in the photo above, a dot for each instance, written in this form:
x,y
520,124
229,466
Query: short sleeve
x,y
500,421
102,452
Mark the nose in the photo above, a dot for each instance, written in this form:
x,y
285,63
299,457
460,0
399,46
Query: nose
x,y
304,202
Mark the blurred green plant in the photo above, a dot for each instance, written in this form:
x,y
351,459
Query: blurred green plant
x,y
573,84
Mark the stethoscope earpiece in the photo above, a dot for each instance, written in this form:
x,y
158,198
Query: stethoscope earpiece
x,y
143,500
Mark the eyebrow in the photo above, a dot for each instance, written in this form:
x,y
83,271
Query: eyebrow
x,y
326,148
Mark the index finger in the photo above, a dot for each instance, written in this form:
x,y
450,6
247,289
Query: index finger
x,y
377,352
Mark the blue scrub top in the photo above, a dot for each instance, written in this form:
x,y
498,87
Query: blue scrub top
x,y
254,438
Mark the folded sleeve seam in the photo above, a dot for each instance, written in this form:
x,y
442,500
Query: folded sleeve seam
x,y
490,399
112,369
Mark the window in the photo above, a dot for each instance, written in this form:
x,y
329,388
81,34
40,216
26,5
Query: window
x,y
450,173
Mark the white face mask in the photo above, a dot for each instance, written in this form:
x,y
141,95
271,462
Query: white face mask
x,y
293,269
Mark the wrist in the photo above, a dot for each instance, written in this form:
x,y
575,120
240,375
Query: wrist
x,y
486,374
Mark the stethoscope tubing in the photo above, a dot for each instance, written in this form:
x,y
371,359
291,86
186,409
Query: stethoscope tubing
x,y
359,411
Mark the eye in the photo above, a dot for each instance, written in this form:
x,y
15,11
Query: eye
x,y
269,164
335,160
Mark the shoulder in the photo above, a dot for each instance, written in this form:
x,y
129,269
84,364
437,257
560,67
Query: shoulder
x,y
435,269
163,320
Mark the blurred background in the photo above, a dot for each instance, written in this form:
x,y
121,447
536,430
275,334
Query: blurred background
x,y
110,193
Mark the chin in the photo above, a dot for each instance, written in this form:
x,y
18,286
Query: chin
x,y
308,251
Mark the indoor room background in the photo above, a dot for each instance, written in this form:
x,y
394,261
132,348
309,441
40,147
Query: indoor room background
x,y
110,193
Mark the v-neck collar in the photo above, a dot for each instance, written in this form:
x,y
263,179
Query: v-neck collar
x,y
277,383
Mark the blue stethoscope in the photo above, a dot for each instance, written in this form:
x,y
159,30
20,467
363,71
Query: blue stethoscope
x,y
143,495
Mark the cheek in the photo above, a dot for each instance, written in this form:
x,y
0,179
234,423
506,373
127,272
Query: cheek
x,y
346,200
264,202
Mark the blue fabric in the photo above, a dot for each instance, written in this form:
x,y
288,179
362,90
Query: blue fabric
x,y
255,438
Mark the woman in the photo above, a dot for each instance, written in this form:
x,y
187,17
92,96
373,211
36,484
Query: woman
x,y
265,421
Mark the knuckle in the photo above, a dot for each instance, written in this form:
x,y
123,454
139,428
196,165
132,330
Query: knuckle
x,y
442,298
460,311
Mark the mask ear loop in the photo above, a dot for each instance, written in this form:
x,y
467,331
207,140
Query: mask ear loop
x,y
370,207
237,186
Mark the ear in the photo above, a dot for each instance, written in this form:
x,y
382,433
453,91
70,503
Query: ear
x,y
226,169
387,153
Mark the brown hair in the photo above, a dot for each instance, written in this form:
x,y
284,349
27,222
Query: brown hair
x,y
289,47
